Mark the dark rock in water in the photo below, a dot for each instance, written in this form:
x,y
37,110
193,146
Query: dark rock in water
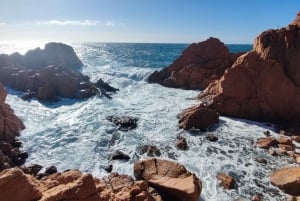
x,y
256,198
51,170
119,155
211,137
151,150
39,176
104,86
181,143
108,168
198,117
261,160
32,169
54,54
28,95
124,123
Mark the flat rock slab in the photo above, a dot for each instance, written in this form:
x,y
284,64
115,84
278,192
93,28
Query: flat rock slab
x,y
169,178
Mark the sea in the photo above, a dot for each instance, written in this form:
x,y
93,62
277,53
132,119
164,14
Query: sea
x,y
72,134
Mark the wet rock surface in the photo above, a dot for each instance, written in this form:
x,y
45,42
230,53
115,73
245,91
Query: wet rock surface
x,y
124,123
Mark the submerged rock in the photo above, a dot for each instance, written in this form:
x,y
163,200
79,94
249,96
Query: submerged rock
x,y
169,178
119,155
124,123
181,143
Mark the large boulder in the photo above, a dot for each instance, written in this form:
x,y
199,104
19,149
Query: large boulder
x,y
169,178
287,179
197,66
198,117
58,54
262,84
16,186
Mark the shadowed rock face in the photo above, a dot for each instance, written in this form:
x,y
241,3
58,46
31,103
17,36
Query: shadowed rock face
x,y
197,66
262,84
48,74
58,54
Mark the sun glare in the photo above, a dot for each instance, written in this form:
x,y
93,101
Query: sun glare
x,y
9,47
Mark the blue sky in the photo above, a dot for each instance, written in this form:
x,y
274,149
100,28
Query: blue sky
x,y
177,21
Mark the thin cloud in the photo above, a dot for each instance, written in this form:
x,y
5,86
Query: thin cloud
x,y
3,24
77,23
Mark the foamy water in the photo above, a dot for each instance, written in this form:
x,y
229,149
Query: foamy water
x,y
76,134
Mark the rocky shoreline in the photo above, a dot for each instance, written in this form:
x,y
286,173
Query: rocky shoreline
x,y
261,84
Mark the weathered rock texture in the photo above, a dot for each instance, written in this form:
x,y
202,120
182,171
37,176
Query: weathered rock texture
x,y
73,185
58,54
169,178
198,117
48,74
10,126
197,66
262,84
287,179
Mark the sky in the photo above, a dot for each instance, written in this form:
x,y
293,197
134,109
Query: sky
x,y
150,21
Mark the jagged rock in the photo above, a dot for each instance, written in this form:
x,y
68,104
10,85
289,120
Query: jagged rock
x,y
227,182
119,155
266,142
261,160
211,137
124,123
51,170
16,186
287,179
198,117
250,88
169,178
32,169
197,66
295,138
181,143
151,150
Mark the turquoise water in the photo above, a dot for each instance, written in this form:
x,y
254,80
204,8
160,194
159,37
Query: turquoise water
x,y
76,134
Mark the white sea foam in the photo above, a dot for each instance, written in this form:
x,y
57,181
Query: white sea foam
x,y
76,134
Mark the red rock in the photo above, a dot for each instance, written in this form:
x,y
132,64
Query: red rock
x,y
266,142
197,66
16,186
251,88
286,147
169,178
227,182
197,117
287,179
284,140
295,138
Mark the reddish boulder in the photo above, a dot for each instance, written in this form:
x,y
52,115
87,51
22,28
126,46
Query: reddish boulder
x,y
16,186
262,84
227,182
169,178
266,142
198,117
287,179
197,66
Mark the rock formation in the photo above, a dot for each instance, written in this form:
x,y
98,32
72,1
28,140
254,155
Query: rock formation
x,y
197,66
58,54
10,127
287,179
262,84
49,74
169,178
73,185
198,117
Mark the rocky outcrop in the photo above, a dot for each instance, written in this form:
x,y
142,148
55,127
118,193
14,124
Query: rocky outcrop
x,y
73,185
227,181
197,66
10,127
124,123
287,179
58,54
198,117
262,84
169,178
